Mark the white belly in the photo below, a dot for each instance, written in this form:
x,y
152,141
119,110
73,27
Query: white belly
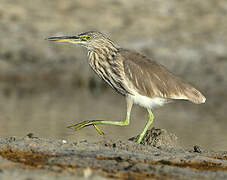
x,y
147,102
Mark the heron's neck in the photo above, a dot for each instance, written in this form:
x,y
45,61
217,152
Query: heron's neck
x,y
103,52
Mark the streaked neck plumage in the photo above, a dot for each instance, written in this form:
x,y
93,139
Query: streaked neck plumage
x,y
104,60
102,50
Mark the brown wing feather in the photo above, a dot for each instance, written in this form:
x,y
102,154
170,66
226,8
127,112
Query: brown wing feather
x,y
154,80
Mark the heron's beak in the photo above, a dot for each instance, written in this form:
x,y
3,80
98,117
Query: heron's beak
x,y
69,39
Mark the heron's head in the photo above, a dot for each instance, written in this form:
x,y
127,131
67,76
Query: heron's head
x,y
90,40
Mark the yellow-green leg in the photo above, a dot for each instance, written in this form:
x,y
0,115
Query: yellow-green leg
x,y
83,124
149,121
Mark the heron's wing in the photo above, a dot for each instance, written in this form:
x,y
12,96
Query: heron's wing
x,y
152,79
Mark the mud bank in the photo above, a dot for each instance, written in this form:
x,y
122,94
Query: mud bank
x,y
32,157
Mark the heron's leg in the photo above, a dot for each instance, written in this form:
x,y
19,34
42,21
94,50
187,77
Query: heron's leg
x,y
149,121
83,124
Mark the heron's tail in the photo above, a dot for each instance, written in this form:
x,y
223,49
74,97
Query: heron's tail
x,y
194,95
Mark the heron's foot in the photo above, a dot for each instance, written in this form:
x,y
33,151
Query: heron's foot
x,y
83,124
139,140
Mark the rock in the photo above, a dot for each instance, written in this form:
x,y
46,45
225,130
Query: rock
x,y
158,138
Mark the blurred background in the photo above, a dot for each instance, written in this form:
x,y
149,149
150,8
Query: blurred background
x,y
45,86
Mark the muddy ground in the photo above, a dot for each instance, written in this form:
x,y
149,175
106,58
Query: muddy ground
x,y
159,157
45,87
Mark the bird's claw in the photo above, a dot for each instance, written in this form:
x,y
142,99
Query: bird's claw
x,y
83,124
98,130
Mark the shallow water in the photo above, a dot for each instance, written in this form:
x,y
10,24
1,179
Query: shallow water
x,y
47,114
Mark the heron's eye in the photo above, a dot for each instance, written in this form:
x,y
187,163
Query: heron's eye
x,y
85,37
88,37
